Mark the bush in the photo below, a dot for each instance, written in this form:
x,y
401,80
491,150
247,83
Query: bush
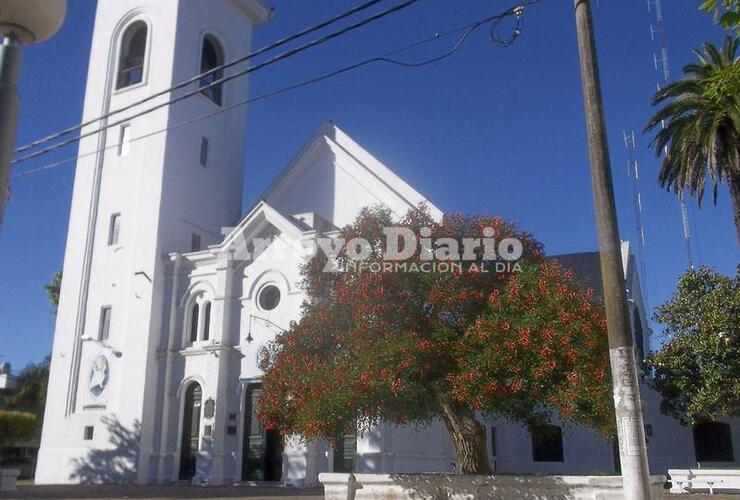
x,y
16,426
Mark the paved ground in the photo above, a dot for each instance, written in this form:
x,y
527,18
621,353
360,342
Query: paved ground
x,y
213,493
161,492
704,497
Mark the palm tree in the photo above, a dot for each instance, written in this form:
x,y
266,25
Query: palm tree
x,y
701,126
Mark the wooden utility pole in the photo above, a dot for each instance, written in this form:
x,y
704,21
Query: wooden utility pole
x,y
627,404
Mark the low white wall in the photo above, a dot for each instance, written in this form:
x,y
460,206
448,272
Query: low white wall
x,y
458,487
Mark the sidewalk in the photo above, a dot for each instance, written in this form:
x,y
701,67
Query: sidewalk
x,y
65,492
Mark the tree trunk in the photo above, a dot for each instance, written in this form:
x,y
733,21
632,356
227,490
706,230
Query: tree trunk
x,y
468,437
735,200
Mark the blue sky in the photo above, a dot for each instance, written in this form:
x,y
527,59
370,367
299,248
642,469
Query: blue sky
x,y
489,130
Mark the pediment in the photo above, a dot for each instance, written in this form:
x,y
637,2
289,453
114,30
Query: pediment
x,y
334,177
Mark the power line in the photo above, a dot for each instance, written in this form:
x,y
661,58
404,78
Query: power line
x,y
198,77
279,57
467,30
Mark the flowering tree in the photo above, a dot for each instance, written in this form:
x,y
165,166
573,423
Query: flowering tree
x,y
412,345
697,370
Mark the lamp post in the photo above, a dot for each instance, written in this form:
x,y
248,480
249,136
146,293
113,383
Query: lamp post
x,y
21,22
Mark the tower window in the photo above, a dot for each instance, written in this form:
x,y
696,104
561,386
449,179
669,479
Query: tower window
x,y
207,321
195,242
124,141
132,55
114,229
194,315
204,151
88,433
211,60
547,444
105,316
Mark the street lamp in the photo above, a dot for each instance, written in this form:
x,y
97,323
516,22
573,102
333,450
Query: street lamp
x,y
21,21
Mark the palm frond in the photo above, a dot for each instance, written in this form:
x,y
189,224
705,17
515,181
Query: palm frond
x,y
699,124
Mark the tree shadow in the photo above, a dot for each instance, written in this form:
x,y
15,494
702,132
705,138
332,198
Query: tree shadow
x,y
114,464
452,486
523,486
439,486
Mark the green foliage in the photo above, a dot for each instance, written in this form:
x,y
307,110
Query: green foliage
x,y
697,370
699,126
30,392
400,345
724,12
16,426
53,288
702,122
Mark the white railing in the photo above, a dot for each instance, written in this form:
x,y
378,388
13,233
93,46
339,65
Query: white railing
x,y
699,480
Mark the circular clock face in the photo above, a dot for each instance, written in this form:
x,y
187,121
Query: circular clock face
x,y
99,375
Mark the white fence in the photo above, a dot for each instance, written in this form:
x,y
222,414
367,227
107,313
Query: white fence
x,y
705,480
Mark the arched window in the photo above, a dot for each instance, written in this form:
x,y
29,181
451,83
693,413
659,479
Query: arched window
x,y
132,55
212,57
194,315
207,321
547,444
713,442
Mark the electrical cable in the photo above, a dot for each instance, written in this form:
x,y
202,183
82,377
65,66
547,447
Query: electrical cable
x,y
197,78
386,58
279,57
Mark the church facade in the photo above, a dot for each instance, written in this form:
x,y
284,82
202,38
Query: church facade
x,y
168,295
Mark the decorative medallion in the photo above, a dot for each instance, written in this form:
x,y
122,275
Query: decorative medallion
x,y
99,375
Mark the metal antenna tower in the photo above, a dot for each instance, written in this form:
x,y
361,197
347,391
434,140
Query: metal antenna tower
x,y
633,170
661,65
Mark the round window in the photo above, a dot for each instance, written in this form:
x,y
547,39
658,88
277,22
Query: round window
x,y
269,297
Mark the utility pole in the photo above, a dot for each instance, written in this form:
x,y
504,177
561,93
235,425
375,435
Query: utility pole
x,y
627,404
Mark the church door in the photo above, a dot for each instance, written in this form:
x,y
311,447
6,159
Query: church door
x,y
262,451
190,431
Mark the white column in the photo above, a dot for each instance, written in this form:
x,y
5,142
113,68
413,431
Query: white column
x,y
226,355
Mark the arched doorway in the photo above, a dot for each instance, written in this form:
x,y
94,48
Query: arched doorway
x,y
190,438
262,451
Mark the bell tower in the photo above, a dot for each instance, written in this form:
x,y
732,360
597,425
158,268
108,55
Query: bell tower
x,y
145,186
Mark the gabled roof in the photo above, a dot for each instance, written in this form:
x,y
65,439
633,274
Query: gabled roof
x,y
330,147
251,226
262,213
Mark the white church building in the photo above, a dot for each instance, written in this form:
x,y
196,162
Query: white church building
x,y
162,313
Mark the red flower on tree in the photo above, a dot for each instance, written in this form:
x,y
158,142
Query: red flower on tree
x,y
416,346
